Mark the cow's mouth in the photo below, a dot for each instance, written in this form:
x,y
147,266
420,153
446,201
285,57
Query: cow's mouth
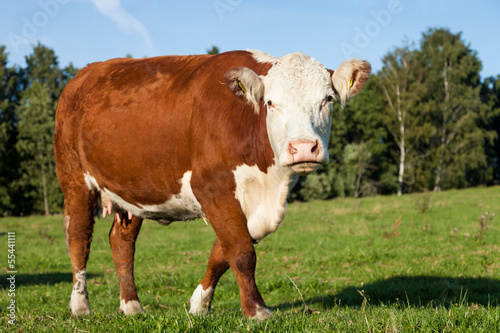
x,y
303,168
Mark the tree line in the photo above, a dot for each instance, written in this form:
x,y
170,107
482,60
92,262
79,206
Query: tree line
x,y
425,121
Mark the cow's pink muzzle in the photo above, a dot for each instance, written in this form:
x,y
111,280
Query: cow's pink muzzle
x,y
304,155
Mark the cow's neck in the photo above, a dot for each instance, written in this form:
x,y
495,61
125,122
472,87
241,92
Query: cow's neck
x,y
263,197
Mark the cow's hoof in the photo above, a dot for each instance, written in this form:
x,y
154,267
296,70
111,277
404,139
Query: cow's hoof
x,y
262,314
201,300
130,308
199,311
79,305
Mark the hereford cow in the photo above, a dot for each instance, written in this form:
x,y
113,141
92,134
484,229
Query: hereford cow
x,y
175,138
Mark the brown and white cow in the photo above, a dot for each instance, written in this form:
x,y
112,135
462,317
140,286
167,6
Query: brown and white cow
x,y
176,138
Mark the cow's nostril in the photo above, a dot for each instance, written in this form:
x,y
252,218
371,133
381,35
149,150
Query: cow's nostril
x,y
291,149
315,148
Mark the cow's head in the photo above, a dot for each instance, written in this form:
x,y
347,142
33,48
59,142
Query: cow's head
x,y
298,93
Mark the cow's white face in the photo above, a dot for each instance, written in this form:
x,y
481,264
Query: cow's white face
x,y
298,97
298,93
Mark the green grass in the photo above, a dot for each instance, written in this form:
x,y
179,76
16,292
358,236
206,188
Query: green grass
x,y
333,266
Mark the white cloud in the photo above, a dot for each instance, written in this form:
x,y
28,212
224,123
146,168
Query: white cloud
x,y
127,22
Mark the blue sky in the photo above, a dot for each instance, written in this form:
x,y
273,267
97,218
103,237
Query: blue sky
x,y
84,31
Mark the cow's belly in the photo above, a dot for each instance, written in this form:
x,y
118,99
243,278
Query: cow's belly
x,y
263,197
180,207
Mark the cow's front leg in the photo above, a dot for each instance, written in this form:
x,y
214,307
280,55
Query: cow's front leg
x,y
229,223
202,296
239,251
122,238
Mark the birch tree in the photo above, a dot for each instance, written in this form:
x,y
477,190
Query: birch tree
x,y
401,83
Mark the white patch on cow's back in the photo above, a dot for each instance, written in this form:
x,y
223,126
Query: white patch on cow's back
x,y
262,197
79,303
180,207
263,57
201,300
130,308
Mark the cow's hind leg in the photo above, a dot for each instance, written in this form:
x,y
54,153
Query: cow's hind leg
x,y
122,238
203,295
78,225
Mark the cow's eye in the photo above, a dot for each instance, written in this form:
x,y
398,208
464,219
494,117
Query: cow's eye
x,y
270,103
327,100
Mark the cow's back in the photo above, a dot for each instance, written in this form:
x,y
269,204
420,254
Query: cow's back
x,y
141,124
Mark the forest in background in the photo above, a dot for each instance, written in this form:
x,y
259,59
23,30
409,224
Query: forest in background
x,y
426,121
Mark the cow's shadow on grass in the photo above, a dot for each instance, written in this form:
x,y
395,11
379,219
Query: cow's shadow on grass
x,y
40,279
411,290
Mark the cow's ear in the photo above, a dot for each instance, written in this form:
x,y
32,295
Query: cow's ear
x,y
350,77
245,83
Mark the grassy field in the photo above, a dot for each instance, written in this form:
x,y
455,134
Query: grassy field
x,y
418,263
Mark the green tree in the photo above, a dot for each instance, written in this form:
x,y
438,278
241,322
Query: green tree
x,y
454,104
352,178
490,120
315,186
44,81
36,132
9,161
43,66
213,50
